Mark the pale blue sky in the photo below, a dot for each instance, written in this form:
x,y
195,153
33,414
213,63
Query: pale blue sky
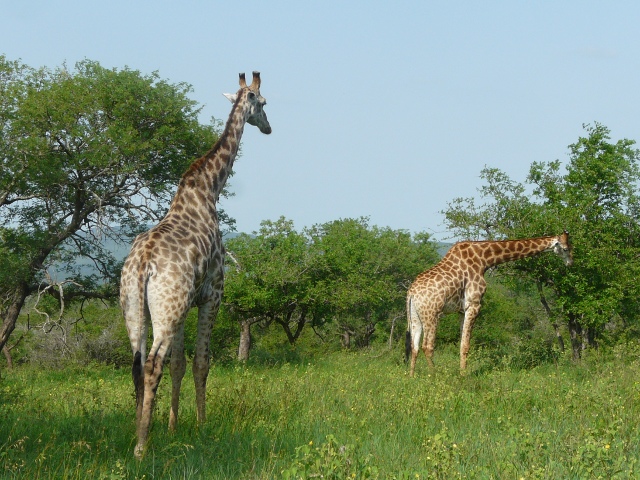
x,y
380,109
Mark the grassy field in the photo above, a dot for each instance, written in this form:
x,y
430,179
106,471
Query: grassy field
x,y
346,415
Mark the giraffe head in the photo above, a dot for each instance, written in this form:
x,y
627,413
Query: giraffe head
x,y
253,102
563,248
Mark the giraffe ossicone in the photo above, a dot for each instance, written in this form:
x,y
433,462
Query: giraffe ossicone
x,y
457,284
179,264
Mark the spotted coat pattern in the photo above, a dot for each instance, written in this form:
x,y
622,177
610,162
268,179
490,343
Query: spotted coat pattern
x,y
457,284
179,264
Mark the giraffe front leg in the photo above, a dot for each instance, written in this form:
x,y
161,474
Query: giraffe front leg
x,y
178,368
470,314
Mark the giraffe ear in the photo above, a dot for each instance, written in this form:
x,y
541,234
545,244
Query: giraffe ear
x,y
231,96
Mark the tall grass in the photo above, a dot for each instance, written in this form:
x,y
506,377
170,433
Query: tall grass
x,y
346,415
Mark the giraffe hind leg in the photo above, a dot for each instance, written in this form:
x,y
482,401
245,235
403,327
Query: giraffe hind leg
x,y
207,314
178,369
412,366
415,334
429,340
152,376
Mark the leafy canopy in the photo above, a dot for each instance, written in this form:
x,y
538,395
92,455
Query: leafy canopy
x,y
344,273
82,151
596,199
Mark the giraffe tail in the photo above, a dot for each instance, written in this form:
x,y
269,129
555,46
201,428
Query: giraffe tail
x,y
407,346
137,326
407,335
138,377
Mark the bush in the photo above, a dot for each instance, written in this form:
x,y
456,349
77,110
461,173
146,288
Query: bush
x,y
530,353
109,347
331,460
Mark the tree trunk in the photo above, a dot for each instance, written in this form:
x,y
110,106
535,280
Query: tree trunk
x,y
547,309
7,355
369,330
345,338
589,338
245,340
558,336
9,322
299,323
575,330
393,326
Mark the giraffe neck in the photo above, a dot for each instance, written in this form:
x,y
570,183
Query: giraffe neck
x,y
495,253
208,174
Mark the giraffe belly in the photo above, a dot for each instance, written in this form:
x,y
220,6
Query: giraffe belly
x,y
212,282
454,304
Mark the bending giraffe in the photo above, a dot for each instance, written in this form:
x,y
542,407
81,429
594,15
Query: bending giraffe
x,y
457,284
179,264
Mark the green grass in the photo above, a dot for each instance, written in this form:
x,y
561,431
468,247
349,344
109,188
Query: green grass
x,y
346,415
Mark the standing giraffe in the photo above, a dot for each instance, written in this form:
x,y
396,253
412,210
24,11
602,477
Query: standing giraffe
x,y
179,264
457,284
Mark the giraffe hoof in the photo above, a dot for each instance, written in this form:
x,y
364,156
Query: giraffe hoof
x,y
138,452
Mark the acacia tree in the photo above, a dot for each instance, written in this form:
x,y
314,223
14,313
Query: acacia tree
x,y
364,272
510,211
269,280
83,150
597,201
343,274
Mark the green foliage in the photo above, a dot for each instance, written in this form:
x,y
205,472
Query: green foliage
x,y
597,201
82,150
343,276
271,276
88,333
330,460
511,331
365,270
269,271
